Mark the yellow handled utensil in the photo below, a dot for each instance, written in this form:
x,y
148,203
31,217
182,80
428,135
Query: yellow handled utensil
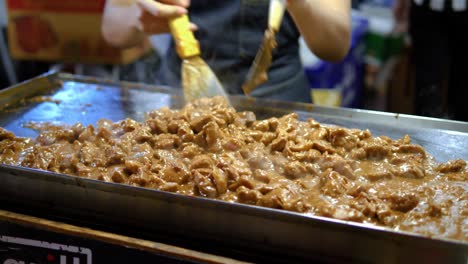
x,y
258,71
198,80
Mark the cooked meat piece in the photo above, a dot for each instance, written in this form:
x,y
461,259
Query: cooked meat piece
x,y
212,133
338,164
220,179
375,171
198,123
334,184
403,202
262,126
323,146
246,182
156,126
376,150
262,175
175,174
87,135
299,147
202,161
232,144
6,134
259,160
204,183
412,149
117,174
248,196
246,118
410,170
166,141
274,198
295,170
348,214
169,187
278,144
185,132
190,151
341,137
452,166
268,137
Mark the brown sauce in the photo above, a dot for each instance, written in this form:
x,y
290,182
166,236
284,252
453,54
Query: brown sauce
x,y
208,149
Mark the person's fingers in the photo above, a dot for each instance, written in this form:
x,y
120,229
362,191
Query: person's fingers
x,y
184,3
153,19
151,24
153,29
161,10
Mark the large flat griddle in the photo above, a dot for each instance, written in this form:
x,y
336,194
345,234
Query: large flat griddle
x,y
65,98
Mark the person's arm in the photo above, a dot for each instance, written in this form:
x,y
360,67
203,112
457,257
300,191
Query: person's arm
x,y
325,26
125,23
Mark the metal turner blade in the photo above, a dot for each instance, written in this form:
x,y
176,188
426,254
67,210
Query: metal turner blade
x,y
258,71
198,80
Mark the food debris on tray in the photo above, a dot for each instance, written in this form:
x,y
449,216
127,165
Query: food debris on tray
x,y
42,99
208,149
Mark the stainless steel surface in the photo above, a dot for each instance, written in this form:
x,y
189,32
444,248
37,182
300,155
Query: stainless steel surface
x,y
86,100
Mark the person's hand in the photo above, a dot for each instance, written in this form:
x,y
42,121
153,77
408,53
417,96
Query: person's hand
x,y
126,23
401,15
155,14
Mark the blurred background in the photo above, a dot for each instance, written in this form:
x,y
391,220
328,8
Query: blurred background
x,y
376,74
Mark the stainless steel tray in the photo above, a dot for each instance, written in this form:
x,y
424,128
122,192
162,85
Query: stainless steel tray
x,y
73,98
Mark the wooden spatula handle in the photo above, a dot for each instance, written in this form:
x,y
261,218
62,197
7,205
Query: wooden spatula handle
x,y
186,44
276,13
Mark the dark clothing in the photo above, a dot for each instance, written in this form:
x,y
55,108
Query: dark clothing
x,y
230,33
440,58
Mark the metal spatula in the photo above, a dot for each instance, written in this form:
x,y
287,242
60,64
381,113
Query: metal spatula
x,y
258,71
198,80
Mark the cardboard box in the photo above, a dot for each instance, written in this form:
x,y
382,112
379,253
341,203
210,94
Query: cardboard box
x,y
65,31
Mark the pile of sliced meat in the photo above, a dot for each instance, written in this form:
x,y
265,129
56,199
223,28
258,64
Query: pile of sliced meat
x,y
208,149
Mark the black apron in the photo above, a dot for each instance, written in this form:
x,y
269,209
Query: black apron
x,y
230,33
